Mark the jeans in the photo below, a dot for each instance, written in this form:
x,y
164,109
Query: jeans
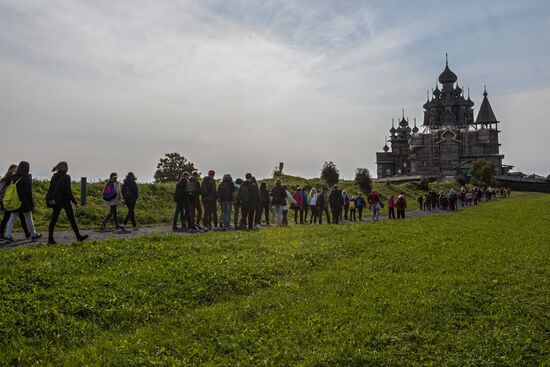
x,y
336,214
112,213
374,210
314,214
236,219
131,204
279,213
352,216
301,211
285,217
28,221
55,216
210,213
226,213
325,210
5,220
264,208
190,213
391,213
179,214
360,212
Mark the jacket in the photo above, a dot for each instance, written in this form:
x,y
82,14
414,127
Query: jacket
x,y
60,190
299,199
130,190
336,199
192,189
179,195
360,202
24,190
279,196
117,200
225,190
264,196
208,189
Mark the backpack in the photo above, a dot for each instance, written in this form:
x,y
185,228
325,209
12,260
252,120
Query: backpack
x,y
244,194
109,192
400,204
10,200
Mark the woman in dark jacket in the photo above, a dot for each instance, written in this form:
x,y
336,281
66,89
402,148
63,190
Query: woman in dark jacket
x,y
264,204
4,182
59,197
23,181
179,199
130,194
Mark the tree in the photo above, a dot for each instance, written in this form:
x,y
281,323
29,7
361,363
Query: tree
x,y
171,167
483,171
363,180
330,173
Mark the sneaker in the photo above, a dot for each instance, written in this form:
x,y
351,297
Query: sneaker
x,y
36,237
84,237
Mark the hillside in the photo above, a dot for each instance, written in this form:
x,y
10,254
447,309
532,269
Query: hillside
x,y
155,205
442,290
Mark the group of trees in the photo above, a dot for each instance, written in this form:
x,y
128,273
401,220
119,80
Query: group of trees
x,y
172,166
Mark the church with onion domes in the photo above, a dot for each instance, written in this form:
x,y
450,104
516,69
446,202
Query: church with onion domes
x,y
449,138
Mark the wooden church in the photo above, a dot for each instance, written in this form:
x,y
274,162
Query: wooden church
x,y
449,139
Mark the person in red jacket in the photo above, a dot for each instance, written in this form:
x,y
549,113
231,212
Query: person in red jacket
x,y
374,204
391,207
299,206
401,206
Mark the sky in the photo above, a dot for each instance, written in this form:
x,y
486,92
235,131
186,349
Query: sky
x,y
238,86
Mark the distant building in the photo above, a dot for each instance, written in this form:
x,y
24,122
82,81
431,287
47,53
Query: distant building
x,y
450,139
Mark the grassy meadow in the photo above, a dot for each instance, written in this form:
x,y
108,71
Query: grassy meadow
x,y
155,205
465,289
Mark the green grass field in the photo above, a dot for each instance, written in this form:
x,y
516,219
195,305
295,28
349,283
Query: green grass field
x,y
464,289
155,205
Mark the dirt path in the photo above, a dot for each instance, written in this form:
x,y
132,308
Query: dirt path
x,y
94,235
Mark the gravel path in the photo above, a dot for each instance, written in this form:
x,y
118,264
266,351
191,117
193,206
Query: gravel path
x,y
68,236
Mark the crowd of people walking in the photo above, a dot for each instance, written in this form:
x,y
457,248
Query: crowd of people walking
x,y
243,204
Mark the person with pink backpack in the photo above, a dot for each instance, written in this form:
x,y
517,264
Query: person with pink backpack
x,y
112,198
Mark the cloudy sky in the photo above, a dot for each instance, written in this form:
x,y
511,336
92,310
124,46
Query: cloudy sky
x,y
238,85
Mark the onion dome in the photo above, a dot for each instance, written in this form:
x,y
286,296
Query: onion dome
x,y
458,90
386,148
415,129
392,130
403,122
447,76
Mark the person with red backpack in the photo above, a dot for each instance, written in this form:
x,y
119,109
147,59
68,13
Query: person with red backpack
x,y
112,198
375,206
401,206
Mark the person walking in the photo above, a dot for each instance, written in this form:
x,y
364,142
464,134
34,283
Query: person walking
x,y
23,185
192,200
254,203
130,194
4,183
336,200
346,198
264,203
278,200
313,206
401,206
59,197
179,199
322,205
352,210
375,206
237,201
420,201
288,202
298,206
360,205
225,194
305,203
209,194
112,198
391,207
